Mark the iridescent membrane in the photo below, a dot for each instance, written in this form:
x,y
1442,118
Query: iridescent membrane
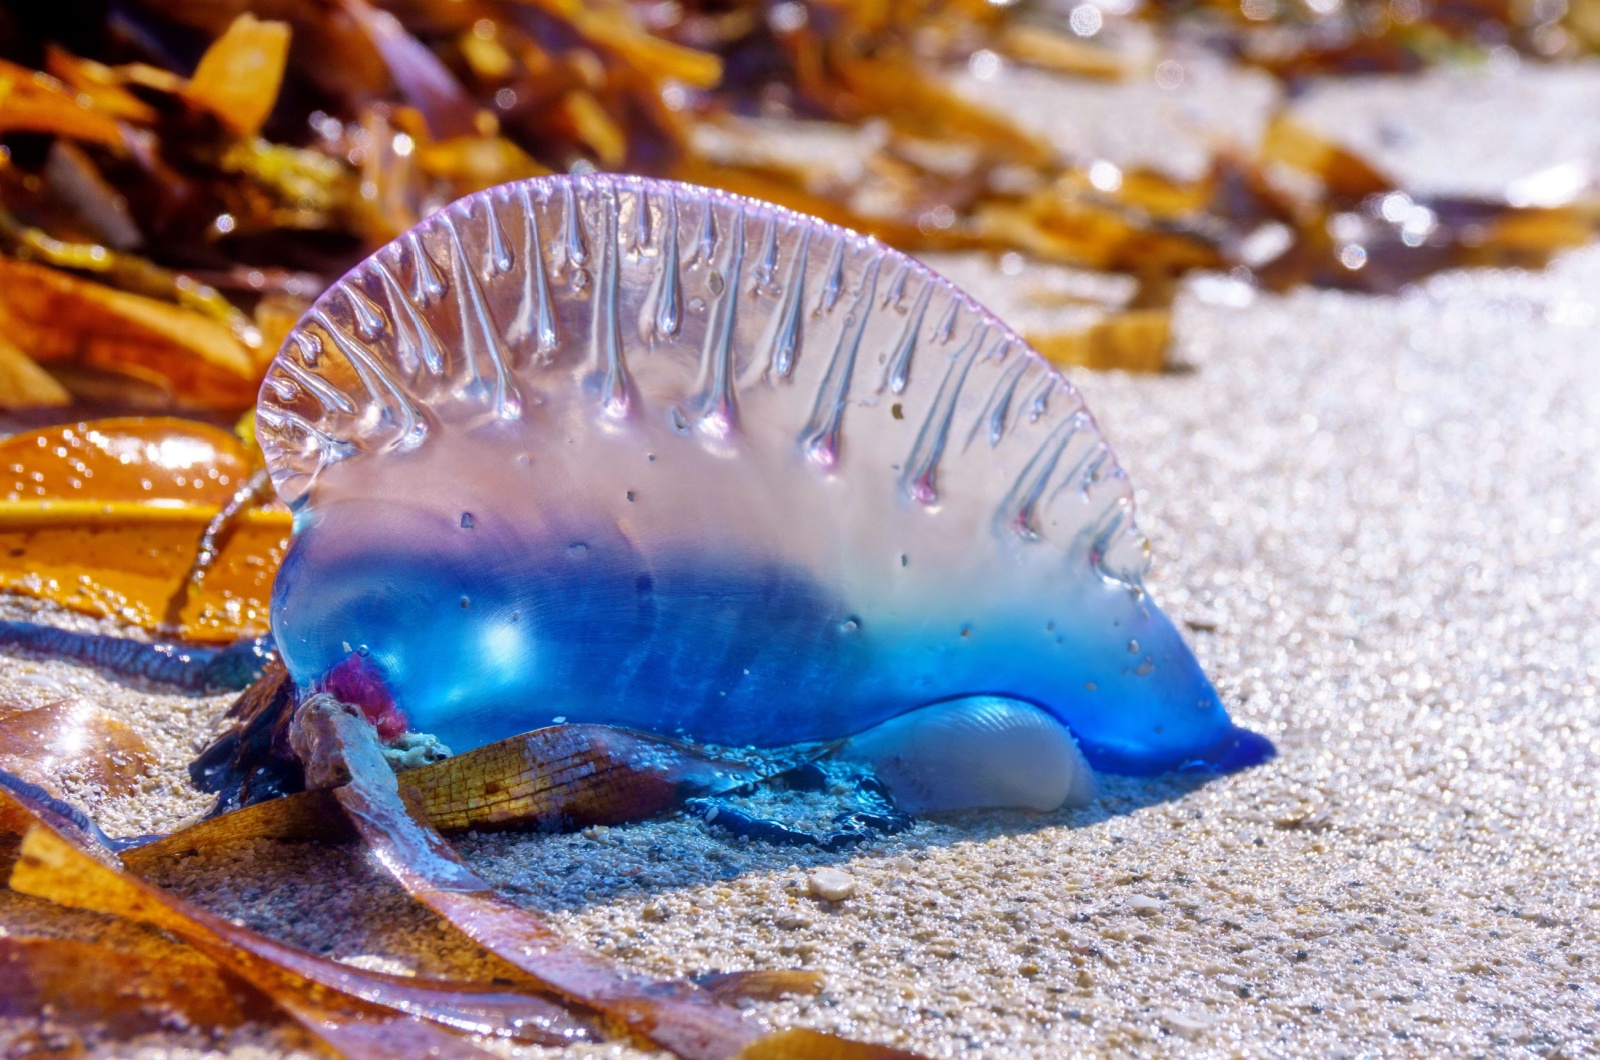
x,y
605,449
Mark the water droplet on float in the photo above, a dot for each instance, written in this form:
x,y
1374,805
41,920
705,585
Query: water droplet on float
x,y
580,278
697,305
715,282
1133,647
466,601
850,625
577,549
467,522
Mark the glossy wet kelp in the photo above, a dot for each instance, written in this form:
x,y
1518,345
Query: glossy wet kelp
x,y
357,1013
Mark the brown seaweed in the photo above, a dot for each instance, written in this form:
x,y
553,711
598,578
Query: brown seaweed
x,y
567,777
91,991
352,1008
361,1013
340,750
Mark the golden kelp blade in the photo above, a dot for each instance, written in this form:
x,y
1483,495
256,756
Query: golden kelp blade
x,y
24,385
336,744
1060,224
239,75
37,103
338,747
140,459
303,816
123,992
107,517
813,1045
613,26
351,1008
566,777
1063,53
1290,143
761,984
180,356
98,84
899,88
126,560
1133,340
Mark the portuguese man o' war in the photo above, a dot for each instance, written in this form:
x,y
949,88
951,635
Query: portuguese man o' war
x,y
605,449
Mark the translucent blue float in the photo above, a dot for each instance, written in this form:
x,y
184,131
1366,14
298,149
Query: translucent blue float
x,y
605,449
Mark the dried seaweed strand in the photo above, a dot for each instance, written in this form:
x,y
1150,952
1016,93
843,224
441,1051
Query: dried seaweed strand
x,y
339,749
129,272
366,1011
122,991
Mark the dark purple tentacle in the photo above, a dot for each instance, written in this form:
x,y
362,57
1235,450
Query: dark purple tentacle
x,y
63,815
187,667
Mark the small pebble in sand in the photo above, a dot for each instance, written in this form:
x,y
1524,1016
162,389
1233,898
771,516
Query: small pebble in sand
x,y
1144,906
833,885
1188,1024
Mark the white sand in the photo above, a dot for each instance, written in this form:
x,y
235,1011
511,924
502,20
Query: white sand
x,y
1382,518
1455,132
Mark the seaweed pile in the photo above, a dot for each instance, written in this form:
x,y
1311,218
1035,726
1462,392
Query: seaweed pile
x,y
178,180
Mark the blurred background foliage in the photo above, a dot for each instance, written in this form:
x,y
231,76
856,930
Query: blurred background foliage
x,y
179,178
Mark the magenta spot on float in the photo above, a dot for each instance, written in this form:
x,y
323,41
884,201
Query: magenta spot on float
x,y
358,682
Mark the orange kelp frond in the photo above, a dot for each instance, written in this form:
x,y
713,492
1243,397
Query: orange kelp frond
x,y
114,517
177,355
68,738
239,75
87,988
372,1013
